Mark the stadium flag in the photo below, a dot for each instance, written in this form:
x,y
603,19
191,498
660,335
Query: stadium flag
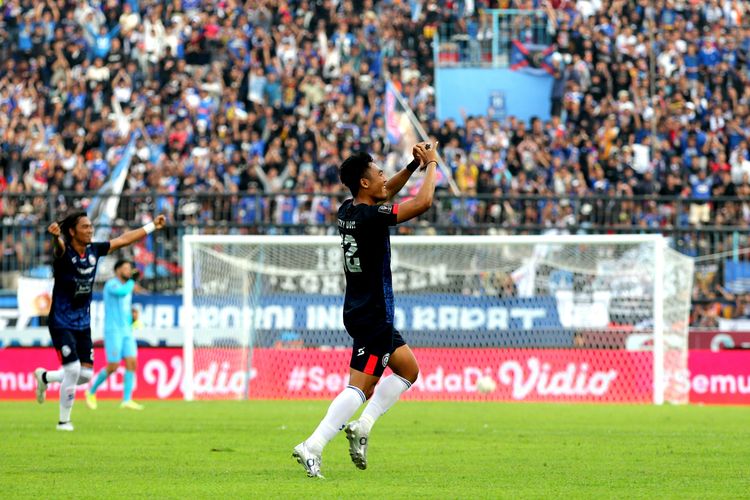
x,y
397,125
416,9
737,276
103,208
532,58
403,131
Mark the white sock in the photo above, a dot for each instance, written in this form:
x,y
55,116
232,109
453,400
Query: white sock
x,y
54,376
71,371
386,395
84,377
341,410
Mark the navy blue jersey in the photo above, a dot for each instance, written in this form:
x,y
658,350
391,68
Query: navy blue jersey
x,y
74,283
365,238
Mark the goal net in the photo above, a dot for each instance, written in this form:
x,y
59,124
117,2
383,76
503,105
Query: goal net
x,y
547,318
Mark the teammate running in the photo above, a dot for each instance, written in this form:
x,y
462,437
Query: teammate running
x,y
75,263
368,305
119,341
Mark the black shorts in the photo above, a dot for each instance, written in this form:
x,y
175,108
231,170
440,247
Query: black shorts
x,y
72,345
371,352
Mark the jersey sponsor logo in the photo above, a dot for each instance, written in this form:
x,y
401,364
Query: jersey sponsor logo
x,y
385,209
385,359
87,270
83,286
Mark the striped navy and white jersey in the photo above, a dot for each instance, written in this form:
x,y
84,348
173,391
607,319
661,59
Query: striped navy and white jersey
x,y
74,284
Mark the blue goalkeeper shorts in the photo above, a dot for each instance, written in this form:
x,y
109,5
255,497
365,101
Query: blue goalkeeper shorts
x,y
119,345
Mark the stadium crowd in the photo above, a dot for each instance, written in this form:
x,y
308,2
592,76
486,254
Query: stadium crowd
x,y
267,98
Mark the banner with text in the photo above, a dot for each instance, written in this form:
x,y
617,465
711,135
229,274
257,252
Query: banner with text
x,y
435,320
562,375
721,377
555,375
446,374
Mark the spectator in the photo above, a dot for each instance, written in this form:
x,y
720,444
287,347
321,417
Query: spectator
x,y
700,211
101,40
12,262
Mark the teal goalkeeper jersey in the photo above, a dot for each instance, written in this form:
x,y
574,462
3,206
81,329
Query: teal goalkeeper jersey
x,y
118,315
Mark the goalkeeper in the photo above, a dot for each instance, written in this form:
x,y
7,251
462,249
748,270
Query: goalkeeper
x,y
119,341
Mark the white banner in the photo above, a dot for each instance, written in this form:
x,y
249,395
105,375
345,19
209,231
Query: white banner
x,y
34,298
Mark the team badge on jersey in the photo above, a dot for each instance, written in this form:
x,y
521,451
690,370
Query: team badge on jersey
x,y
92,260
385,359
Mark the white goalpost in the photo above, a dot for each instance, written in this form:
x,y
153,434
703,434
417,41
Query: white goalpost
x,y
594,318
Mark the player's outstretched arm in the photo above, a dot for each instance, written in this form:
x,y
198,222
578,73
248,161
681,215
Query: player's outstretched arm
x,y
57,239
396,183
423,200
114,287
131,237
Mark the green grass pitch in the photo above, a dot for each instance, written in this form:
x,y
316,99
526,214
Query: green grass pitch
x,y
418,450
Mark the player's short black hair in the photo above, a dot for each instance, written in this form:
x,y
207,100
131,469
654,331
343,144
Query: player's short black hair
x,y
121,263
70,222
353,169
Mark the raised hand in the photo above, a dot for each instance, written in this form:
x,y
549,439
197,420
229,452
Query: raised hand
x,y
427,152
160,221
417,152
59,244
54,229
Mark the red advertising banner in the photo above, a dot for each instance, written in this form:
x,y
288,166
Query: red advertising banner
x,y
447,374
555,375
452,374
159,373
720,377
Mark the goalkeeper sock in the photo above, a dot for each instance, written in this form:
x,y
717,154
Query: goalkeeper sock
x,y
53,376
341,410
127,386
386,395
71,371
100,378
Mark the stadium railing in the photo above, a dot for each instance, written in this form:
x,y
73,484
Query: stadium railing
x,y
24,243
